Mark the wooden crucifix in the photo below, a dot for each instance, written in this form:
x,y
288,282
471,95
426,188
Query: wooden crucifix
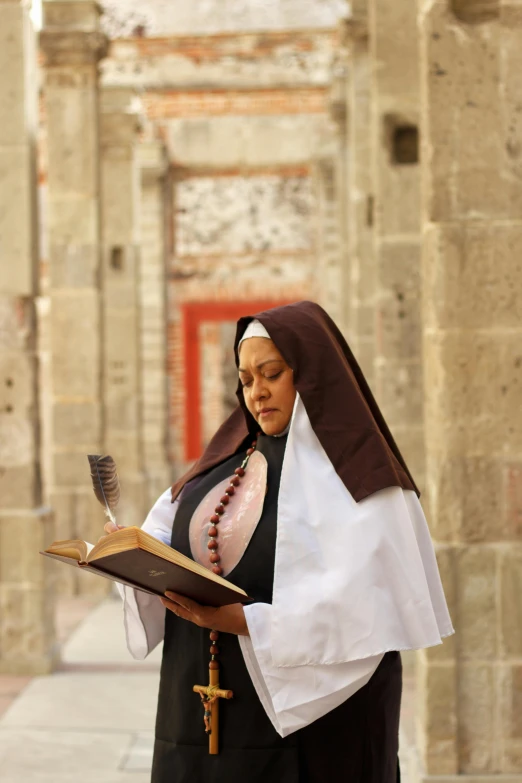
x,y
210,696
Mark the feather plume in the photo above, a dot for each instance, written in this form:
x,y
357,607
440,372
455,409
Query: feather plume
x,y
105,482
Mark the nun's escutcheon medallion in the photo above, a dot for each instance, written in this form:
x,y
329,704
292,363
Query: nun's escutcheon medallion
x,y
238,523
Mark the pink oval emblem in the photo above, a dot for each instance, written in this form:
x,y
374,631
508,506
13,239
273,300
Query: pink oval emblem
x,y
239,521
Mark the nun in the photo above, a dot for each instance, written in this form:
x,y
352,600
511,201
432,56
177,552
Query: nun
x,y
303,500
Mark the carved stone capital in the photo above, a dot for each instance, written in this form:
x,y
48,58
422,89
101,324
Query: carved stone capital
x,y
476,11
73,47
68,15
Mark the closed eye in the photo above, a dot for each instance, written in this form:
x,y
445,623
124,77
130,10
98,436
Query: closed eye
x,y
268,378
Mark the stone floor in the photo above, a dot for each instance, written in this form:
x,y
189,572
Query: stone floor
x,y
92,721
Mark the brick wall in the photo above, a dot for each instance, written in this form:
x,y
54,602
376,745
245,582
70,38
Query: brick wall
x,y
244,60
167,104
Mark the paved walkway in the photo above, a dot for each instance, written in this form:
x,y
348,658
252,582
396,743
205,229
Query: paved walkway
x,y
92,721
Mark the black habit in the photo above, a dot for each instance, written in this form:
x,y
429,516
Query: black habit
x,y
355,743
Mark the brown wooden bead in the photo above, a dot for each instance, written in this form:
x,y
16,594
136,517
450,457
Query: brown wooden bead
x,y
250,452
220,509
225,500
212,544
213,665
214,557
212,531
254,444
214,519
214,650
214,636
236,481
230,490
239,472
217,570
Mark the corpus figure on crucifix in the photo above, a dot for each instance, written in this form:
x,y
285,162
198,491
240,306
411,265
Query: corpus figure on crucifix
x,y
303,500
210,695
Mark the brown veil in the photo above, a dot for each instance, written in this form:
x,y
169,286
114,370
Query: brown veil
x,y
341,408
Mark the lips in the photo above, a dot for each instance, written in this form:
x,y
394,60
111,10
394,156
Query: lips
x,y
266,411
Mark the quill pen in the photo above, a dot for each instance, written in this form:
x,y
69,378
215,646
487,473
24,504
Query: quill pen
x,y
105,482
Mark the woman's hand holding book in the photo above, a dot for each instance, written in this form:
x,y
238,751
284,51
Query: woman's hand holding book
x,y
228,619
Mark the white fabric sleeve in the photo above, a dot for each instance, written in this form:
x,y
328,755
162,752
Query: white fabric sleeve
x,y
144,614
295,696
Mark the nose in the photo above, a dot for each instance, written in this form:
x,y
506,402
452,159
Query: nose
x,y
259,389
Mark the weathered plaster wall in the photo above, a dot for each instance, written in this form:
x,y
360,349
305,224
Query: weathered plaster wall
x,y
237,214
204,17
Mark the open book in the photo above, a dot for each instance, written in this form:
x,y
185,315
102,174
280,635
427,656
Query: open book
x,y
133,557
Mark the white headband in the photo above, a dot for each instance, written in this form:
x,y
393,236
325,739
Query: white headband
x,y
254,329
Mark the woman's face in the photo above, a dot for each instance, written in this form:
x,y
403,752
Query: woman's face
x,y
268,384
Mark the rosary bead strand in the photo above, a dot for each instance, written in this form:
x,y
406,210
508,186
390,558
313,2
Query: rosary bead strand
x,y
210,695
213,533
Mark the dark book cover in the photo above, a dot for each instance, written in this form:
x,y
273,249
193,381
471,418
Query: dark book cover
x,y
152,574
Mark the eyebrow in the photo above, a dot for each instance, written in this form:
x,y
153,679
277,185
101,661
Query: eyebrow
x,y
261,364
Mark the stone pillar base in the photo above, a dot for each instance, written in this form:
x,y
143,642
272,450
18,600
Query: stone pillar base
x,y
27,638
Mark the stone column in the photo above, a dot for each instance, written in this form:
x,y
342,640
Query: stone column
x,y
120,178
73,45
27,640
339,257
396,177
153,308
329,270
470,719
360,207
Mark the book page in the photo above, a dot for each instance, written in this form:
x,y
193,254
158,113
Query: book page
x,y
75,549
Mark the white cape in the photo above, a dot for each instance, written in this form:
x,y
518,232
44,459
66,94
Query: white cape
x,y
352,582
361,576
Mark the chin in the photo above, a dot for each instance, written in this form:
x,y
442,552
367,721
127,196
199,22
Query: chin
x,y
272,427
